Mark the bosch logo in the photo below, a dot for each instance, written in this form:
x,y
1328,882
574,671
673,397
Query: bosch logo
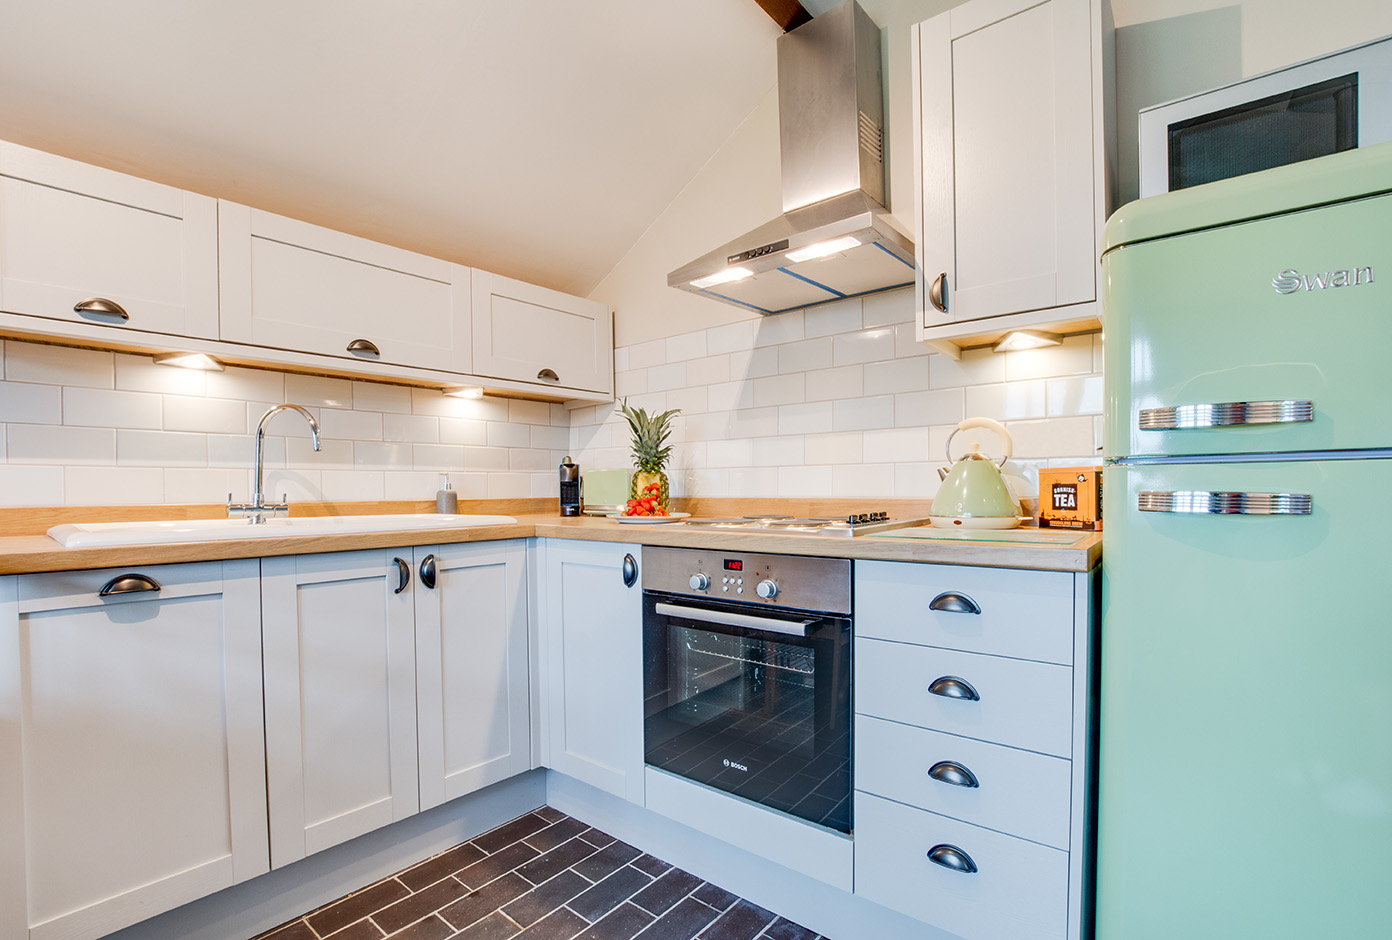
x,y
733,766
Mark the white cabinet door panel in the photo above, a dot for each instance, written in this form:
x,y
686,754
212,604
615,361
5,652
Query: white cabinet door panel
x,y
530,334
70,232
1022,704
1022,614
594,665
1019,889
340,699
472,668
291,285
1011,175
143,780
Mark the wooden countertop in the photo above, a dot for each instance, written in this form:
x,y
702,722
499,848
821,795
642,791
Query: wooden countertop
x,y
21,554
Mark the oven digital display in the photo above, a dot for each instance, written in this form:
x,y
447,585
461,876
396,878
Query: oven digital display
x,y
734,564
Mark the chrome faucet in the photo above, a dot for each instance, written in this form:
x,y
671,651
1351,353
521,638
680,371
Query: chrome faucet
x,y
256,510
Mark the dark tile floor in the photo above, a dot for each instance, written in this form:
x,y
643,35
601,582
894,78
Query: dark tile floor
x,y
543,876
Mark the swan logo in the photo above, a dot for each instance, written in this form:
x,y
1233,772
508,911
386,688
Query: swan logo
x,y
1291,281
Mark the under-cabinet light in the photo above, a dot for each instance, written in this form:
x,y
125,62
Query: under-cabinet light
x,y
1026,339
722,277
822,249
463,391
201,361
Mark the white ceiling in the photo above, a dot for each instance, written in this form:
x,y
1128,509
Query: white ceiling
x,y
534,138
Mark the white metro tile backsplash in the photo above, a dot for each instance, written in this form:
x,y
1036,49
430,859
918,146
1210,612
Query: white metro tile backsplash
x,y
839,400
87,427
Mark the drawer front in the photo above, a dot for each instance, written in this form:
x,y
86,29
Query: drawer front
x,y
1024,614
1016,792
1019,888
1022,704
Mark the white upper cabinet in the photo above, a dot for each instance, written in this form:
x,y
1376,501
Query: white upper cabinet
x,y
526,333
1011,138
83,244
290,285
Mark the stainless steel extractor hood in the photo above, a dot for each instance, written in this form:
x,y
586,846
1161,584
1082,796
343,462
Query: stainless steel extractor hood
x,y
835,239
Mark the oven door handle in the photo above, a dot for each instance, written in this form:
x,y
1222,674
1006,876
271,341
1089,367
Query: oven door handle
x,y
769,624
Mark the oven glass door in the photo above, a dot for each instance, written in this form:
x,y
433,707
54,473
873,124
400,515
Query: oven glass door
x,y
752,702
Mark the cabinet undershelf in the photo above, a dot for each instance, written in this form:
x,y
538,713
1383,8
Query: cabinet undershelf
x,y
951,338
88,336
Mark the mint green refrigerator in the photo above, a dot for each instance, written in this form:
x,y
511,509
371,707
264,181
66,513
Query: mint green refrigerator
x,y
1245,760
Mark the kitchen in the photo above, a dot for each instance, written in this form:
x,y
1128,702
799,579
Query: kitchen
x,y
834,401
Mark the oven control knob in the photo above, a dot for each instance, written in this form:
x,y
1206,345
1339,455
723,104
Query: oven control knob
x,y
767,589
699,581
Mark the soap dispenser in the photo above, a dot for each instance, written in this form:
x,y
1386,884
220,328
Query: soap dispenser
x,y
446,499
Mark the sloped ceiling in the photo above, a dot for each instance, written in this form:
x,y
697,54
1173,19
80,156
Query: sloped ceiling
x,y
534,138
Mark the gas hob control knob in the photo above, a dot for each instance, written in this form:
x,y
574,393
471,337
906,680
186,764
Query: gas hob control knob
x,y
767,589
699,581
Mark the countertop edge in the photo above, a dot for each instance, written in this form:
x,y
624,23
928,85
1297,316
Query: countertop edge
x,y
39,553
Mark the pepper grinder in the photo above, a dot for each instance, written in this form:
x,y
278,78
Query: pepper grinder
x,y
571,502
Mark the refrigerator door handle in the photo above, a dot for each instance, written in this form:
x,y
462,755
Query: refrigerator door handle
x,y
1225,414
1222,503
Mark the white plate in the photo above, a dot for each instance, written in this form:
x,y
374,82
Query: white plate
x,y
651,520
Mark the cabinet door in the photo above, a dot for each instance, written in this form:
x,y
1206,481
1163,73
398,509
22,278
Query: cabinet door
x,y
472,695
530,334
71,233
132,741
291,285
594,665
1006,137
340,698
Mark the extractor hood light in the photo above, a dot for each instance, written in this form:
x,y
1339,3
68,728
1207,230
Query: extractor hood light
x,y
200,361
722,277
463,391
1026,339
822,249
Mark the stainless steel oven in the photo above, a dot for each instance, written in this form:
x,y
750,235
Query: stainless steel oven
x,y
747,676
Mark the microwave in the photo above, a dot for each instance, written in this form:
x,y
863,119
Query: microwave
x,y
1336,102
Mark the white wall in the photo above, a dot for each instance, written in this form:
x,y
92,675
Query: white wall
x,y
790,383
84,427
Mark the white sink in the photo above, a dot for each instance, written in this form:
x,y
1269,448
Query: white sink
x,y
99,534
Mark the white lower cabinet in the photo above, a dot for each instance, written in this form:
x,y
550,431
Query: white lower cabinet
x,y
972,748
472,693
131,741
593,664
340,668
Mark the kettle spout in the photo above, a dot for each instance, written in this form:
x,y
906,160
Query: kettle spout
x,y
942,473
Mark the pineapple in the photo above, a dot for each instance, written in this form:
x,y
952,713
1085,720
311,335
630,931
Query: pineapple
x,y
650,448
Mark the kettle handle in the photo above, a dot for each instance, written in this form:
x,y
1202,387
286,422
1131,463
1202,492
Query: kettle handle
x,y
990,425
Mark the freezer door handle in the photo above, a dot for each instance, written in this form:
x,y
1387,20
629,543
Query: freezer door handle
x,y
1221,503
1225,414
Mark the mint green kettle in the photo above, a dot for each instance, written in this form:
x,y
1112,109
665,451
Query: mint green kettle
x,y
973,494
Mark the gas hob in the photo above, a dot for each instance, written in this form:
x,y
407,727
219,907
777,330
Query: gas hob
x,y
867,523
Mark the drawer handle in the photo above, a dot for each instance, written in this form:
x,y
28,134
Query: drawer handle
x,y
954,603
129,584
404,570
364,347
949,856
937,292
945,771
549,375
427,571
954,687
97,307
630,571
